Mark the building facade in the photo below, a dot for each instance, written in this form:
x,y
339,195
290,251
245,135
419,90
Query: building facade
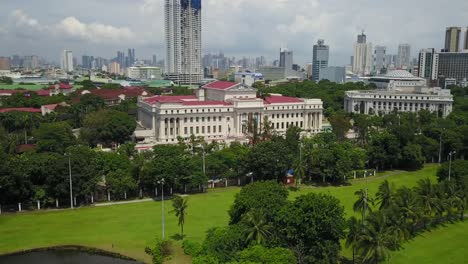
x,y
452,65
404,56
183,30
321,55
287,61
380,59
452,39
67,61
465,45
4,64
225,112
428,64
362,59
399,91
333,74
144,73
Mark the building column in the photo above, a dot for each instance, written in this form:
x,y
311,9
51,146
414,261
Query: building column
x,y
162,125
155,129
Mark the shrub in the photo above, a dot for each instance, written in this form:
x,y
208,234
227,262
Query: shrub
x,y
160,251
205,260
191,248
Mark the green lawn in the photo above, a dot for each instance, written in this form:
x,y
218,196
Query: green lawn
x,y
446,245
30,87
127,229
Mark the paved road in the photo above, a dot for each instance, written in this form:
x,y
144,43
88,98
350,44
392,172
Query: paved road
x,y
124,202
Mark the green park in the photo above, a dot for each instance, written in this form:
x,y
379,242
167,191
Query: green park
x,y
127,229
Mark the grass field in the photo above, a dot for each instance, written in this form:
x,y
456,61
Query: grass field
x,y
446,245
127,229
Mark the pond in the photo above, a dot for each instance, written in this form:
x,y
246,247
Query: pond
x,y
62,256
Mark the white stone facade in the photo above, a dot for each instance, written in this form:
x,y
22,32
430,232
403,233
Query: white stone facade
x,y
399,91
221,111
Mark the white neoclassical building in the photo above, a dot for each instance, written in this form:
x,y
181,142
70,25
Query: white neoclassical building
x,y
222,111
399,91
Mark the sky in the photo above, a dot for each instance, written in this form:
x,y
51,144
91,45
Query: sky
x,y
236,27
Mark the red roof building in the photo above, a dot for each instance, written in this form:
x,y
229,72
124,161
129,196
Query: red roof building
x,y
21,109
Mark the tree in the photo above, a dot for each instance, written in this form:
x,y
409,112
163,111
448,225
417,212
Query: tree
x,y
312,227
384,150
54,137
107,126
224,243
377,239
341,125
353,234
407,202
258,231
412,157
385,195
459,171
269,160
180,210
6,80
260,254
267,196
427,198
363,204
120,182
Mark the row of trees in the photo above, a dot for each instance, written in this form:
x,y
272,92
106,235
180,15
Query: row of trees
x,y
395,216
267,228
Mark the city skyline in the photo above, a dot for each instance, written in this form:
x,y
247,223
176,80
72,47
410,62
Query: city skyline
x,y
28,28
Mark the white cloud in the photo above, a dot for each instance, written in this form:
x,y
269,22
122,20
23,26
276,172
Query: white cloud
x,y
69,28
94,32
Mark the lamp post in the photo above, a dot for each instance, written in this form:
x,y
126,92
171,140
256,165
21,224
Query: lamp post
x,y
450,163
162,204
70,179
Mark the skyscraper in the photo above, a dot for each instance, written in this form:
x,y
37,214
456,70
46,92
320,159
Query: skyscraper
x,y
87,61
465,46
404,56
67,61
131,57
428,64
362,63
321,54
4,64
380,59
286,61
452,39
183,31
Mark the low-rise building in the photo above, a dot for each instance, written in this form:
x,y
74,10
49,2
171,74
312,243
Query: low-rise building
x,y
223,111
399,91
144,73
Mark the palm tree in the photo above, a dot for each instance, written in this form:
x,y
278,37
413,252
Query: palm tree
x,y
427,198
180,210
354,232
377,239
363,204
385,195
258,230
407,202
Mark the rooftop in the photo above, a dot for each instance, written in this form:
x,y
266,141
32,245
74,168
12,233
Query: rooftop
x,y
220,85
21,109
275,99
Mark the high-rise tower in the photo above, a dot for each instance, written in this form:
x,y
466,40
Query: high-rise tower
x,y
183,41
452,39
320,58
362,62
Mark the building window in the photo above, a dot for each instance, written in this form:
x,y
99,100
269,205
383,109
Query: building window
x,y
191,130
302,124
185,131
203,119
197,119
197,129
214,129
277,125
282,125
185,120
220,129
209,119
214,118
209,129
228,119
203,129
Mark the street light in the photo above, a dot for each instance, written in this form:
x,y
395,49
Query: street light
x,y
450,163
162,204
70,179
